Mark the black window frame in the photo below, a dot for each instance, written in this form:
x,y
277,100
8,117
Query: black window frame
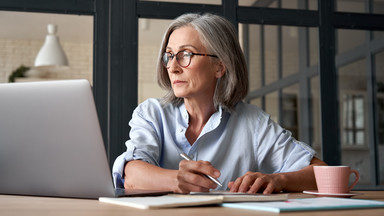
x,y
116,55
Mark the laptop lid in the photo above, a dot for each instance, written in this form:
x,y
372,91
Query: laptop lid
x,y
51,142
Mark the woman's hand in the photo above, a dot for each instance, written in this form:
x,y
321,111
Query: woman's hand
x,y
191,176
253,182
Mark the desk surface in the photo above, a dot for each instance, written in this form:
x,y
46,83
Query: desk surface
x,y
29,205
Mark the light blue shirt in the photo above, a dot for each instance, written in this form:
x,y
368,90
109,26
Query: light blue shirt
x,y
243,140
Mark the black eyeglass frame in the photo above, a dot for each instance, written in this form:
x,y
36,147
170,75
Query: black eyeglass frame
x,y
170,56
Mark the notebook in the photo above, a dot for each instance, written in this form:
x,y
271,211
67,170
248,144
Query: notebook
x,y
166,201
308,204
51,143
243,197
184,200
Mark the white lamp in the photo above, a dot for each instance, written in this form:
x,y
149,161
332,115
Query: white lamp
x,y
51,53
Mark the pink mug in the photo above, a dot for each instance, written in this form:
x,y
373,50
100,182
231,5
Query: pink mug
x,y
334,179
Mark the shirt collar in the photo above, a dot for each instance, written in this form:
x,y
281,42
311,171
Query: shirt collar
x,y
213,122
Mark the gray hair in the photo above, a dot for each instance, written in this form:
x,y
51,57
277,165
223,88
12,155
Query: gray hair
x,y
219,38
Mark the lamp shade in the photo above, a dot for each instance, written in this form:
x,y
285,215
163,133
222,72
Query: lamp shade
x,y
51,53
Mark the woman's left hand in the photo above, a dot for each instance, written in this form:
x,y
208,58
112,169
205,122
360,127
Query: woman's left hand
x,y
253,182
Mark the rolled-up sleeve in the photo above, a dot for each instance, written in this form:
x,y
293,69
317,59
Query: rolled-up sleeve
x,y
300,156
142,145
118,170
278,151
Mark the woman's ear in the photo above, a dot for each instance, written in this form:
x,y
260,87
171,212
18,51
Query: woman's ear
x,y
220,70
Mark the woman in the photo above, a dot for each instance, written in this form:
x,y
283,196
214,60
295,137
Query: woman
x,y
202,67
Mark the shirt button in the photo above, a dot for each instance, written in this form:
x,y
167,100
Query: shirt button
x,y
181,130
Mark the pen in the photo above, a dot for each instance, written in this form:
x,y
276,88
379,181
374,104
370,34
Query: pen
x,y
210,177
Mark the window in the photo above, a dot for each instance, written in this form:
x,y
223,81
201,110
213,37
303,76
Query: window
x,y
287,4
353,120
360,6
150,35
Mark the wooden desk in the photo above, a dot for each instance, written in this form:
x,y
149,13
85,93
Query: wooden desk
x,y
29,205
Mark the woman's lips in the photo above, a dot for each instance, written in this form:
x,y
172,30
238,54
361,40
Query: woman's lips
x,y
178,82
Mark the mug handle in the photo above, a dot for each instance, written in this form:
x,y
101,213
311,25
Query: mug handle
x,y
356,179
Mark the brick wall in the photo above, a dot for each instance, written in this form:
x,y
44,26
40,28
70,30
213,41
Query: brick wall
x,y
14,53
147,85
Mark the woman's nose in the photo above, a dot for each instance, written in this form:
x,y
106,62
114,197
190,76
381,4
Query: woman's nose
x,y
173,66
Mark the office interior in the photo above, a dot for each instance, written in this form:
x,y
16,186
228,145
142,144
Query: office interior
x,y
316,66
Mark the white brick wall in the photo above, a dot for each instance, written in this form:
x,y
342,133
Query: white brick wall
x,y
14,53
147,85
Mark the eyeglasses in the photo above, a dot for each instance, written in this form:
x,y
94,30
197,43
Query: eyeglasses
x,y
183,58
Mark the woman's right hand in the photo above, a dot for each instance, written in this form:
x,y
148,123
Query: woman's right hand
x,y
191,176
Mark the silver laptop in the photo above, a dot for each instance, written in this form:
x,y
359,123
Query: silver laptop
x,y
50,141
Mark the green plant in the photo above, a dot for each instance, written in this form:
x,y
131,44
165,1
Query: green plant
x,y
19,72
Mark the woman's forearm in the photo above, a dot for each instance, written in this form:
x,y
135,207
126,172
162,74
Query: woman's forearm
x,y
142,175
303,179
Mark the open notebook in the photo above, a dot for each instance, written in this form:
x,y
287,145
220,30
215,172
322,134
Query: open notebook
x,y
180,200
308,204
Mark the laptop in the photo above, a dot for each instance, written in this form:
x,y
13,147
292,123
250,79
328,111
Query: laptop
x,y
51,143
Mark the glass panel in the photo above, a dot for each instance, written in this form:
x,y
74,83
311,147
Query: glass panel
x,y
315,114
290,55
360,6
257,102
378,35
349,39
254,57
378,6
359,107
150,36
290,107
253,3
352,83
290,4
216,2
290,43
272,106
22,34
353,122
270,52
290,48
312,4
379,69
353,118
313,46
286,4
354,6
